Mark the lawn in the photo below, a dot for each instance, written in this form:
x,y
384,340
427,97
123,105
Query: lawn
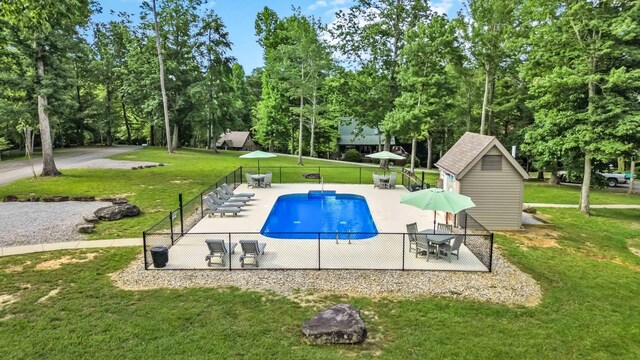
x,y
189,172
590,309
535,192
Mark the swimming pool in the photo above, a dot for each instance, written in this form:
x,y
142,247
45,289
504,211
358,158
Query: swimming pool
x,y
303,216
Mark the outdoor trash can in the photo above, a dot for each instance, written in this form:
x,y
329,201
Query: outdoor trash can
x,y
160,256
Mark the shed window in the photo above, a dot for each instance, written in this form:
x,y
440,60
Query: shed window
x,y
492,162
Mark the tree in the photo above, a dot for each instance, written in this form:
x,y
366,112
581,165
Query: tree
x,y
490,23
371,33
426,91
165,105
42,23
582,88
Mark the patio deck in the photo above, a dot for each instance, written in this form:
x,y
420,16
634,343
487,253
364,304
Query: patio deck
x,y
384,251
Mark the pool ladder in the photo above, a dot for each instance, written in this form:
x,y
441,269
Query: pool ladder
x,y
348,237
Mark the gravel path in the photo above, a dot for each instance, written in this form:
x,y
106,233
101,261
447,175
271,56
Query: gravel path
x,y
111,164
27,223
505,285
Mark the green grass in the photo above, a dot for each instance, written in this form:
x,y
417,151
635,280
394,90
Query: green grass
x,y
590,309
189,172
564,194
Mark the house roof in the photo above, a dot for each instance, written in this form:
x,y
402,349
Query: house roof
x,y
469,149
234,139
351,134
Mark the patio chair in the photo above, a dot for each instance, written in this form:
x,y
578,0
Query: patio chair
x,y
250,182
251,249
418,241
453,249
267,179
218,249
212,208
378,183
392,180
230,192
219,202
226,197
444,228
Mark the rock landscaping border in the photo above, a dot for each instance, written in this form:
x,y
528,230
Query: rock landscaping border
x,y
506,284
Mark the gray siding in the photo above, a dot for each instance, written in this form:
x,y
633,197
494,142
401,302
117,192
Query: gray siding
x,y
497,195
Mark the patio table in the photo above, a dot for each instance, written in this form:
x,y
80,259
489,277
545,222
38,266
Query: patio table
x,y
437,239
259,178
384,179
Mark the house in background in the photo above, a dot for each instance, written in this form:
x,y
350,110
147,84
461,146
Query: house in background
x,y
236,140
479,166
365,141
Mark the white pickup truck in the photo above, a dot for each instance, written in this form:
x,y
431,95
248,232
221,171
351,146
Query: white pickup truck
x,y
612,179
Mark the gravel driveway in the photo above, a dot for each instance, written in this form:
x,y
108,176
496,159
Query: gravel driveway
x,y
27,223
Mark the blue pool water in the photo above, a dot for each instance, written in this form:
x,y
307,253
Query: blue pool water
x,y
303,216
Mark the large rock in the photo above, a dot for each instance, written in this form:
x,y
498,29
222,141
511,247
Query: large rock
x,y
338,324
85,228
10,198
530,210
116,212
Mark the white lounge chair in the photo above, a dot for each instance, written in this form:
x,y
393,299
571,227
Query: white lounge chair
x,y
230,192
225,197
218,249
212,208
251,249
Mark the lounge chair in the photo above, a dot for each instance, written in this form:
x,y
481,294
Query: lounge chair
x,y
222,203
218,249
444,228
392,180
418,241
250,181
251,249
453,248
225,197
230,192
212,208
267,179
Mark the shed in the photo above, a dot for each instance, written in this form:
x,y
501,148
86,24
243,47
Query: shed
x,y
480,167
236,140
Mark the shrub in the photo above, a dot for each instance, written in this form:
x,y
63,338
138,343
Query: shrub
x,y
416,162
352,155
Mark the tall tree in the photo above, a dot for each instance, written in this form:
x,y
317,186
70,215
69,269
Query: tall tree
x,y
42,23
165,103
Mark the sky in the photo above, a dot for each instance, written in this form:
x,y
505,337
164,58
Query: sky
x,y
239,15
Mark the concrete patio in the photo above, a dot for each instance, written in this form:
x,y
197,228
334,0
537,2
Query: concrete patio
x,y
387,250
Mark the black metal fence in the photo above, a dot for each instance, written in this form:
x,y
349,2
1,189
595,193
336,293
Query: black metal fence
x,y
322,251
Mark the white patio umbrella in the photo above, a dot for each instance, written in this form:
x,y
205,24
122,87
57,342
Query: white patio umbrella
x,y
385,155
258,155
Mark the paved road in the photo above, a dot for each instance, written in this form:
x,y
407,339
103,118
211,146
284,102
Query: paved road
x,y
13,170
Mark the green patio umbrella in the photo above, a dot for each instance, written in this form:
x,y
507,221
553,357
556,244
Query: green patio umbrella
x,y
437,200
385,155
257,155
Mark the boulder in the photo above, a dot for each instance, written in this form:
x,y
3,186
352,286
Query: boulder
x,y
90,218
530,210
84,198
55,198
85,228
34,199
338,324
10,198
107,199
120,201
160,164
134,168
116,212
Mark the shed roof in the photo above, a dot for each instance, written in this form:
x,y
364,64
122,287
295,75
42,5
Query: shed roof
x,y
469,149
234,139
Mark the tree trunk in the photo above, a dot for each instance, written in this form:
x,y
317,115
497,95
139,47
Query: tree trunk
x,y
109,134
126,121
553,178
165,105
632,173
429,152
300,133
540,175
313,123
586,186
152,140
48,163
174,141
414,146
384,164
485,120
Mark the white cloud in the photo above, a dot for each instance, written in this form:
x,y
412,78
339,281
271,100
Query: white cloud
x,y
340,2
318,4
442,7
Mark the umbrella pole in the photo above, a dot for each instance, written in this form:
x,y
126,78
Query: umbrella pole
x,y
434,221
258,166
